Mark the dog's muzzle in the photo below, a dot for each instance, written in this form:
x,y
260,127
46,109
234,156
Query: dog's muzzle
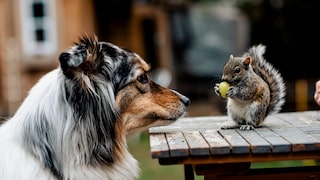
x,y
185,100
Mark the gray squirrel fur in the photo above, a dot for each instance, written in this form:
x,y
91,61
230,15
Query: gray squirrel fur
x,y
257,89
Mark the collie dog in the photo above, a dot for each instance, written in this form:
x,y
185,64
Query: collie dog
x,y
76,119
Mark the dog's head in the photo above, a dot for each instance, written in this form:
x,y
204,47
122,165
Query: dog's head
x,y
77,116
117,86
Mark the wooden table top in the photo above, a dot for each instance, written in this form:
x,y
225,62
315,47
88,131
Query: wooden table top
x,y
199,140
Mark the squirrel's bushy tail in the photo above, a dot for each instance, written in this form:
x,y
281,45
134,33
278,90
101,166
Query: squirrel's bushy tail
x,y
270,75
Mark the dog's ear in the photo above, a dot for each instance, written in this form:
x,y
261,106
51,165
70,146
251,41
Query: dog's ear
x,y
90,93
70,61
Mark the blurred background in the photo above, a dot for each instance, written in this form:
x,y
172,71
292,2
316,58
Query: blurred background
x,y
186,42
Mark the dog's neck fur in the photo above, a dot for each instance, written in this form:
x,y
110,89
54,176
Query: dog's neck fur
x,y
46,141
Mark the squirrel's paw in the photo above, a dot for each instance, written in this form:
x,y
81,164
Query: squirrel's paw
x,y
216,89
231,92
230,125
247,127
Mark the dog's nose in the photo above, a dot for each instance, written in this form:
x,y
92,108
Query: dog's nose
x,y
185,100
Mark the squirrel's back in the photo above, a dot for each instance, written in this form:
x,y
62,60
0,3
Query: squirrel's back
x,y
270,75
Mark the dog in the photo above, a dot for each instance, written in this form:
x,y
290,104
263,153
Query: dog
x,y
75,121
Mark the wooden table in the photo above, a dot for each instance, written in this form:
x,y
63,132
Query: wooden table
x,y
203,148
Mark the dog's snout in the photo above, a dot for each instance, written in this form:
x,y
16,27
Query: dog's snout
x,y
185,100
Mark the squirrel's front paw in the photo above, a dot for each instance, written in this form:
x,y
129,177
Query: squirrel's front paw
x,y
231,92
247,127
216,89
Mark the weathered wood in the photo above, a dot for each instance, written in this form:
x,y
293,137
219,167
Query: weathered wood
x,y
239,158
177,144
313,115
257,143
238,144
198,145
312,131
192,124
218,145
274,121
200,141
278,144
159,146
297,119
279,132
299,140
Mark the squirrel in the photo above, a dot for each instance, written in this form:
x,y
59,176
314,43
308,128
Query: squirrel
x,y
256,89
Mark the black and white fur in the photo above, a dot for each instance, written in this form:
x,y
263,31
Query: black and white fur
x,y
70,124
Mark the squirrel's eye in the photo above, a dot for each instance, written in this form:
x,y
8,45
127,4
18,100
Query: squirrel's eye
x,y
237,70
143,78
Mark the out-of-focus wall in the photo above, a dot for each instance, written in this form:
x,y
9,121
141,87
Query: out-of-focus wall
x,y
24,57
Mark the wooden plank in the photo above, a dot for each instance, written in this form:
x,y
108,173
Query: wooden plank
x,y
239,158
314,115
218,145
197,145
288,126
302,119
296,119
308,122
177,144
313,131
238,144
275,120
158,145
299,140
191,124
166,129
278,144
257,143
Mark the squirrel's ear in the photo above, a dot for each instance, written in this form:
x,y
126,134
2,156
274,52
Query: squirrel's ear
x,y
231,56
246,62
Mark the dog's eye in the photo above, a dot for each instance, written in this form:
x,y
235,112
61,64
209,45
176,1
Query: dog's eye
x,y
143,78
